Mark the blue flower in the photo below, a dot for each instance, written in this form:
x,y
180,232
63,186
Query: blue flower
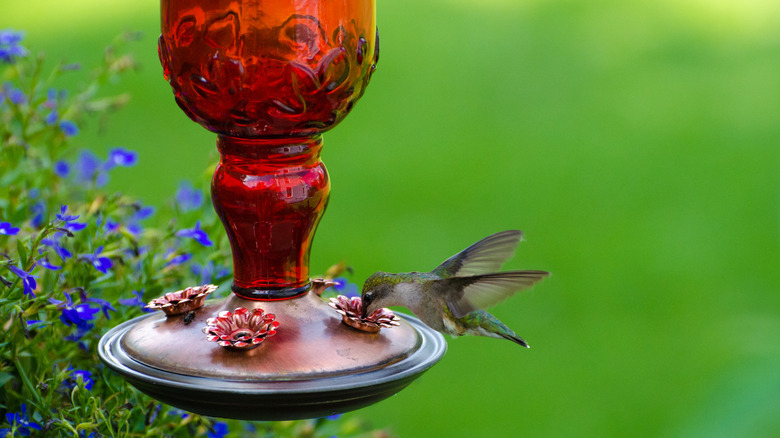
x,y
208,272
73,379
51,118
23,423
51,99
65,217
188,198
86,166
143,213
28,280
137,300
75,315
102,264
197,234
120,157
62,168
54,244
344,287
153,414
8,229
45,263
179,412
16,96
105,306
69,128
37,210
218,430
70,220
178,260
9,46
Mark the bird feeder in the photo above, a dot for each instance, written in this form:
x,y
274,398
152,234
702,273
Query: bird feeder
x,y
268,77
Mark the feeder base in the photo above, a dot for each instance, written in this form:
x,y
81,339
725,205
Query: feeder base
x,y
314,366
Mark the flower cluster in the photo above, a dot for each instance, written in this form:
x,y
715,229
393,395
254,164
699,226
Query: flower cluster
x,y
75,261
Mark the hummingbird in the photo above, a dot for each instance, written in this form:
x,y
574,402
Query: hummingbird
x,y
451,298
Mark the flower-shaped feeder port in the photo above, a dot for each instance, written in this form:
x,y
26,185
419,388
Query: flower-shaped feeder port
x,y
318,285
351,310
176,303
241,329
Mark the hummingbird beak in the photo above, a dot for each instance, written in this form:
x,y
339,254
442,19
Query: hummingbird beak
x,y
364,315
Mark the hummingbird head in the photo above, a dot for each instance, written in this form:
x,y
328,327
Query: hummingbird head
x,y
377,292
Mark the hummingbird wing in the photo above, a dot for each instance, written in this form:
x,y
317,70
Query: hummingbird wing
x,y
466,294
485,256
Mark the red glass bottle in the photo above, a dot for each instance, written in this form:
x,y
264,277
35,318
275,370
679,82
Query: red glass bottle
x,y
269,77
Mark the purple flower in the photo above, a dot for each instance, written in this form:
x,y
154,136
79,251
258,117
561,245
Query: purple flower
x,y
9,46
23,423
209,271
197,234
37,210
105,306
137,300
344,287
73,379
143,213
179,412
86,166
120,157
62,168
65,217
51,118
111,226
102,264
75,315
55,245
28,280
218,430
188,198
16,96
7,229
45,263
178,260
32,321
153,414
69,128
70,220
51,99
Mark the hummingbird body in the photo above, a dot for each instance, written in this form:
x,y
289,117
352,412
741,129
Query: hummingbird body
x,y
451,298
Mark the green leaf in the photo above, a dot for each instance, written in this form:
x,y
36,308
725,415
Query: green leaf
x,y
22,250
5,378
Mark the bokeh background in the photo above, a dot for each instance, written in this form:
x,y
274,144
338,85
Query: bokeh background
x,y
636,144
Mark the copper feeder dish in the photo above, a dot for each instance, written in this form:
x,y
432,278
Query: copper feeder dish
x,y
314,366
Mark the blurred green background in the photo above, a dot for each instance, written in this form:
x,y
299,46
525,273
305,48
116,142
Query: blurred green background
x,y
636,144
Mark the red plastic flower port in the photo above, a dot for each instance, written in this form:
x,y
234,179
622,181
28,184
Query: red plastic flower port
x,y
242,329
175,303
351,310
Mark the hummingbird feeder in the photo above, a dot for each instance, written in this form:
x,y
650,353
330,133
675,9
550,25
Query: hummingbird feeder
x,y
268,77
